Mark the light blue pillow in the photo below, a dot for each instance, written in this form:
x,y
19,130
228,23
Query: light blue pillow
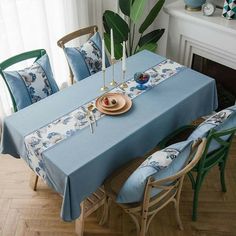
x,y
223,120
87,59
31,84
159,165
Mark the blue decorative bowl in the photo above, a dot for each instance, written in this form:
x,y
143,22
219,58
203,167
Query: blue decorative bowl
x,y
141,79
194,5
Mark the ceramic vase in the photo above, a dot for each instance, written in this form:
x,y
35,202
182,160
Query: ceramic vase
x,y
194,5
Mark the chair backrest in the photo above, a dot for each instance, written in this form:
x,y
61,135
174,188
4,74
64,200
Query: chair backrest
x,y
16,59
76,34
172,185
210,158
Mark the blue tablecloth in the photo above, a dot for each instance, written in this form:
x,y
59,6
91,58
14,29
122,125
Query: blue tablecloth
x,y
77,166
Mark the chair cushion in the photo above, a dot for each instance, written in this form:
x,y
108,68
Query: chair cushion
x,y
87,59
31,84
223,120
159,165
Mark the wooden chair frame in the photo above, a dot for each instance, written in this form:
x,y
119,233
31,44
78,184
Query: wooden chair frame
x,y
142,213
207,161
81,32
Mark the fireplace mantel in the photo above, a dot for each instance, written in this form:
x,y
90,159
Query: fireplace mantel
x,y
191,33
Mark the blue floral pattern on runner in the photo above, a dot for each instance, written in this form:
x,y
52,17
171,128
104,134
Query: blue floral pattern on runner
x,y
92,56
42,139
36,82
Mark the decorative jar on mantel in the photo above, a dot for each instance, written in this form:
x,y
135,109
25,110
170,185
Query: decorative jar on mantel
x,y
194,5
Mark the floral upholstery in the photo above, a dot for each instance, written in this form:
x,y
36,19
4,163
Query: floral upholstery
x,y
92,56
31,84
220,121
87,59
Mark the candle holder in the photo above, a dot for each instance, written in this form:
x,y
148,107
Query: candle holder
x,y
123,84
113,82
104,87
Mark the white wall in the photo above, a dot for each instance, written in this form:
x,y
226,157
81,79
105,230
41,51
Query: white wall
x,y
162,21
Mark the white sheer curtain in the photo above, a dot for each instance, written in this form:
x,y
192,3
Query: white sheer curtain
x,y
33,24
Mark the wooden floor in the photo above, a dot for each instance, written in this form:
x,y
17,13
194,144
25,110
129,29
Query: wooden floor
x,y
28,213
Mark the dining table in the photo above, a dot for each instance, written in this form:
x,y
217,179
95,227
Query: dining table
x,y
76,163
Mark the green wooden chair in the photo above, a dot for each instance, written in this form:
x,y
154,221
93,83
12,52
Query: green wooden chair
x,y
9,62
207,161
16,59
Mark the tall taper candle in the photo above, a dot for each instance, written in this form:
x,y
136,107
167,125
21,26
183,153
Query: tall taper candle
x,y
112,45
123,85
103,55
123,58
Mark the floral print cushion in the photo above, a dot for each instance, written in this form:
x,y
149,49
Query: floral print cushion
x,y
31,84
36,82
87,59
159,165
92,56
220,121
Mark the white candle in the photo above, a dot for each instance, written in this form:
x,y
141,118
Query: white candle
x,y
123,58
103,55
112,46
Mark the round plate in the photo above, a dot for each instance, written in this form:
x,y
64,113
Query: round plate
x,y
120,102
127,106
110,98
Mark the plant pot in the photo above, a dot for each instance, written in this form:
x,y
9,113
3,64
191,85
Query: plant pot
x,y
194,5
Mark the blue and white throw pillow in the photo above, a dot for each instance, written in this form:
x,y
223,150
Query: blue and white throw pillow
x,y
223,120
31,84
87,59
159,165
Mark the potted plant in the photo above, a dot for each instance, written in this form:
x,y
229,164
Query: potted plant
x,y
129,28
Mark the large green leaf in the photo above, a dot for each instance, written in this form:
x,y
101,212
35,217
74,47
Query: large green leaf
x,y
119,26
149,46
117,46
136,10
151,37
105,25
151,16
125,6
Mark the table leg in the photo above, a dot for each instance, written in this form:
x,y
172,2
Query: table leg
x,y
33,181
79,223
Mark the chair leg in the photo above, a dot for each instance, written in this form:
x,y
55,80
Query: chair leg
x,y
176,202
222,176
143,228
197,187
190,175
105,213
79,223
33,181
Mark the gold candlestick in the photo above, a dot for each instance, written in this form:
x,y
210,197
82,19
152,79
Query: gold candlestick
x,y
124,85
104,87
113,82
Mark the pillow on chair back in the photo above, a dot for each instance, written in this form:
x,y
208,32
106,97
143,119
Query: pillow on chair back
x,y
31,84
223,120
87,59
159,165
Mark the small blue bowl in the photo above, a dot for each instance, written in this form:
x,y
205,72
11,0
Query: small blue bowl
x,y
194,5
141,79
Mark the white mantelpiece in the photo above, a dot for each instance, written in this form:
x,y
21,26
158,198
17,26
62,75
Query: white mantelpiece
x,y
191,33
